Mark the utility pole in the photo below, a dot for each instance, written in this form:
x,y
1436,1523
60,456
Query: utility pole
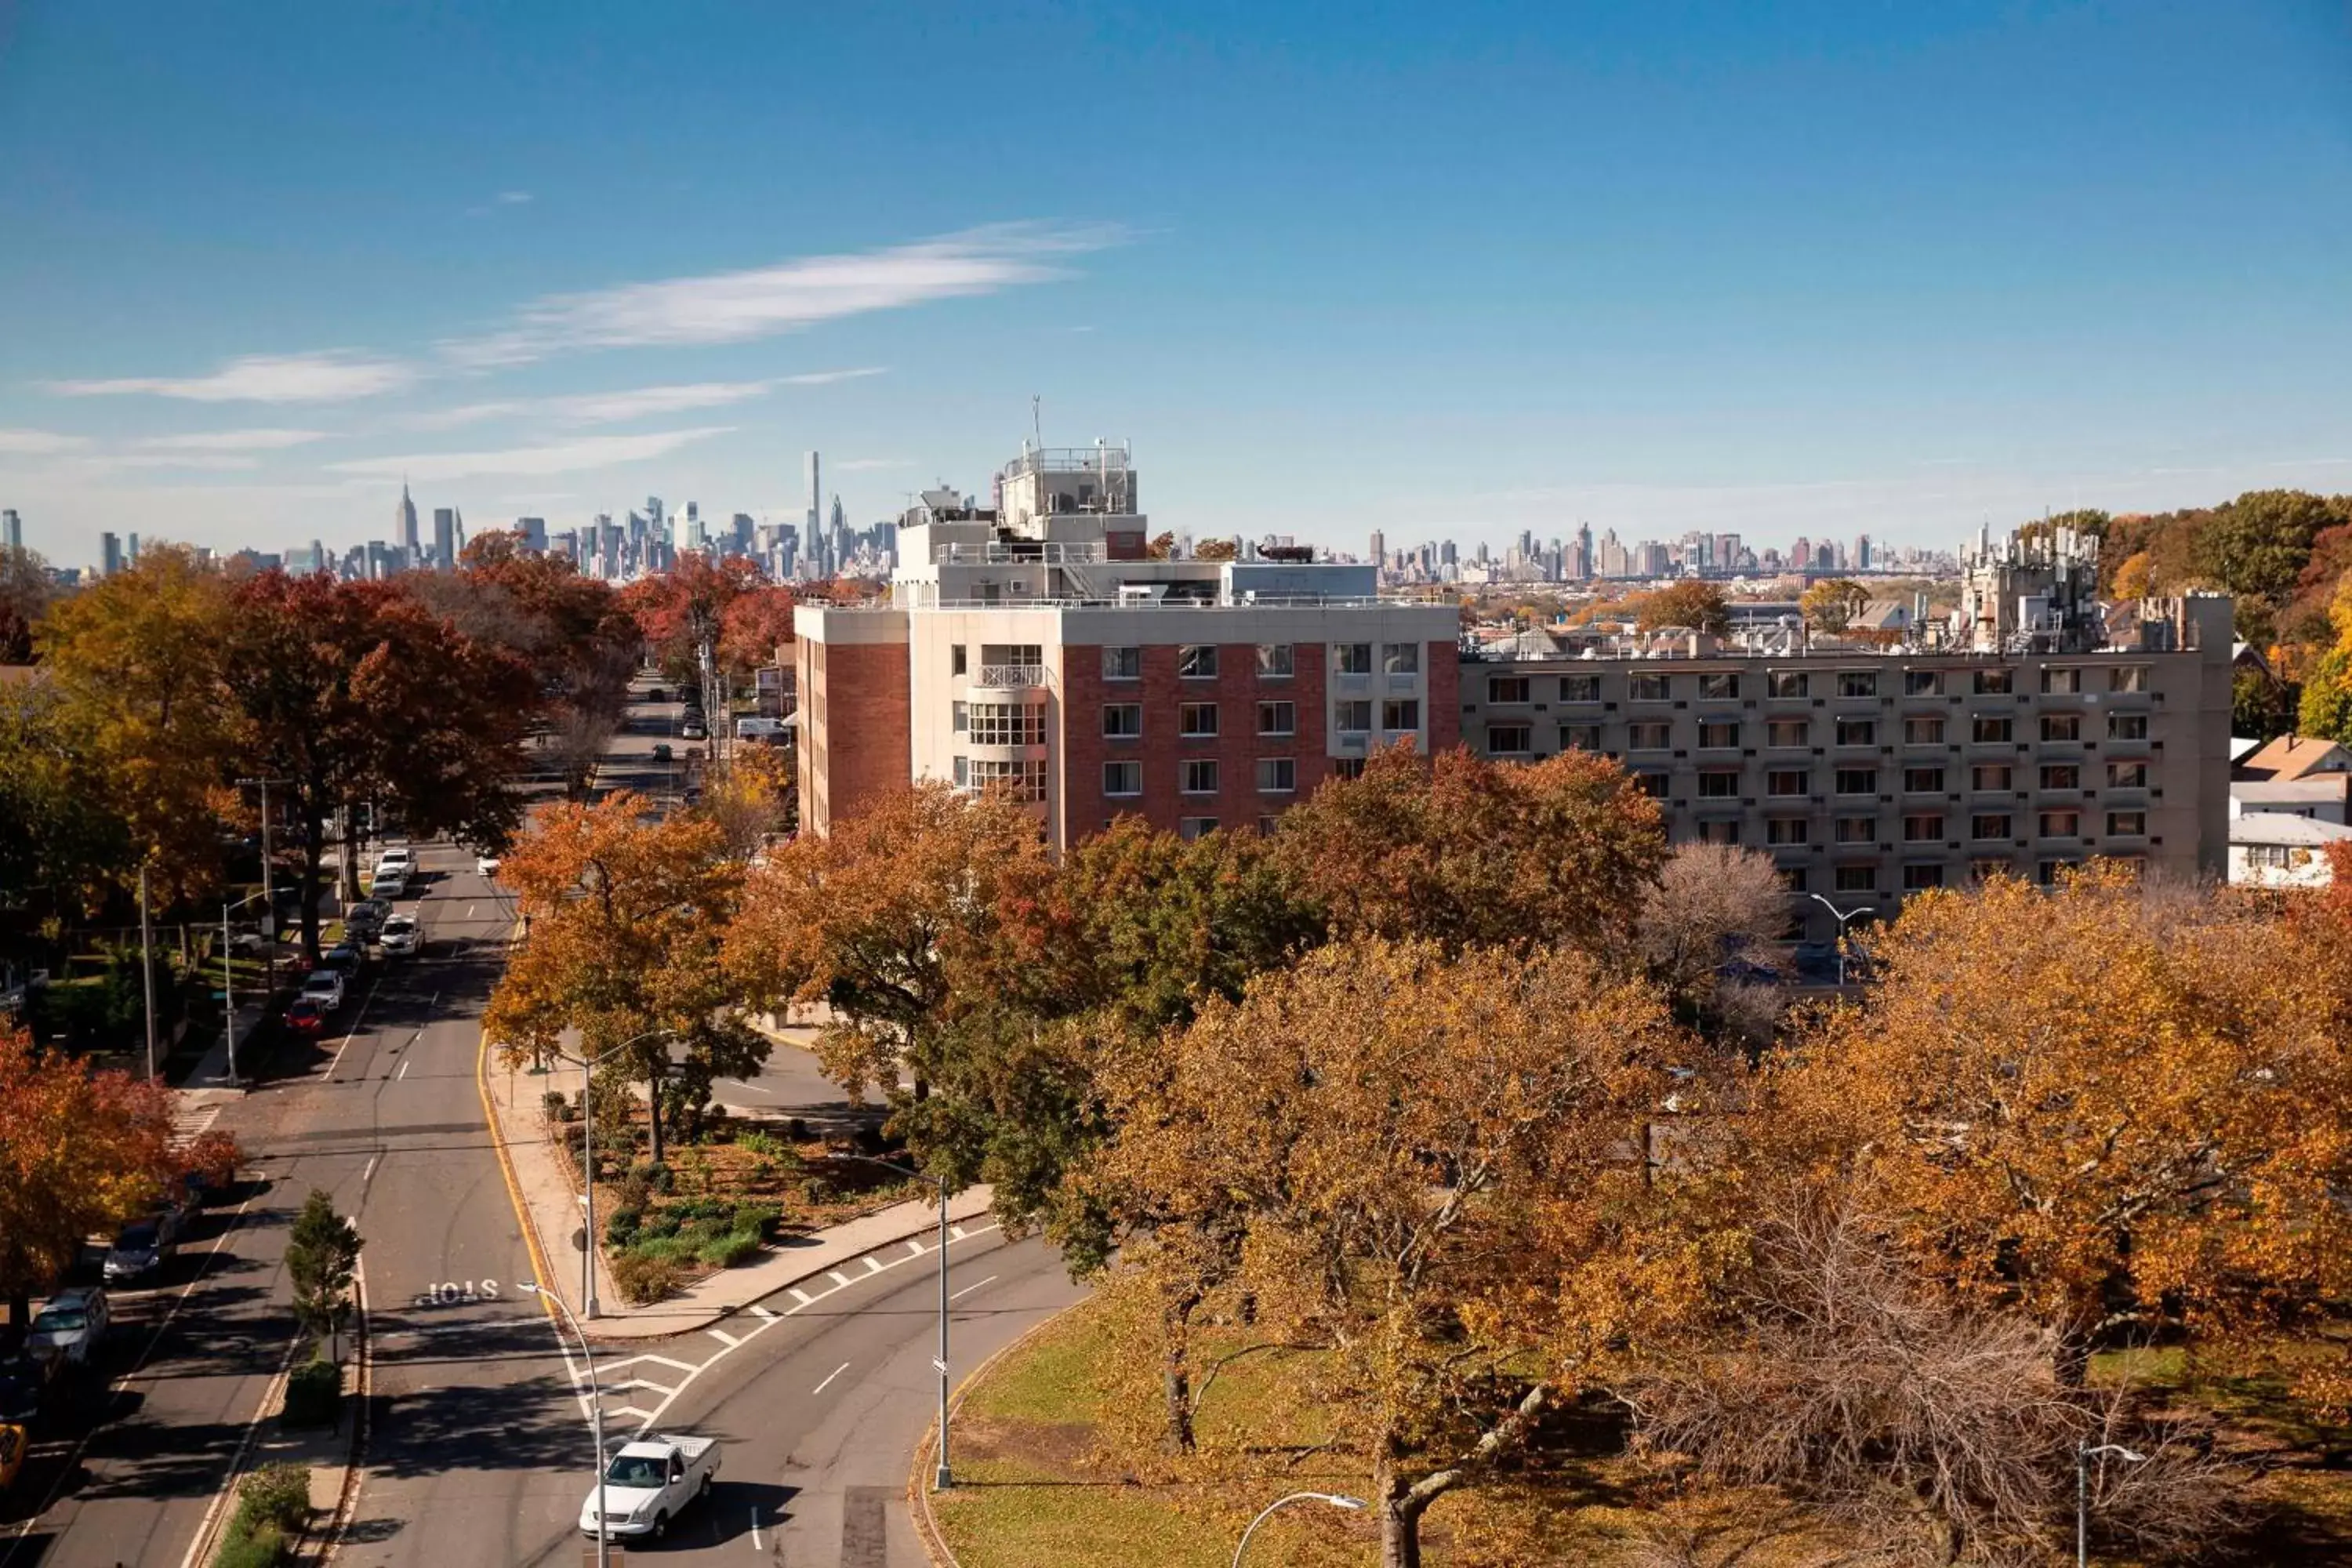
x,y
147,967
269,904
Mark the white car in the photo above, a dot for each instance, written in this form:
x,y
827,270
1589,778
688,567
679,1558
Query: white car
x,y
70,1327
400,936
388,883
487,865
325,987
649,1483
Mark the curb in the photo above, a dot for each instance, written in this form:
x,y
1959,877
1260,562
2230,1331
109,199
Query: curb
x,y
514,1189
330,1535
216,1514
919,1494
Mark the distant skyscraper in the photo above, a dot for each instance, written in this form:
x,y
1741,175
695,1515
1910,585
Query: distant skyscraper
x,y
533,531
110,555
404,528
445,537
12,529
130,553
1380,549
816,500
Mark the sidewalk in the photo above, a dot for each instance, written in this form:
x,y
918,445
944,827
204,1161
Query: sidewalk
x,y
551,1215
211,1070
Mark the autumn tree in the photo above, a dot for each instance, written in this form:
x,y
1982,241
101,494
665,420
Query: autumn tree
x,y
753,627
2326,705
625,913
26,590
322,1253
1466,851
1691,605
140,660
67,842
2257,546
2111,1107
1833,604
1390,1150
684,610
749,796
1714,906
81,1151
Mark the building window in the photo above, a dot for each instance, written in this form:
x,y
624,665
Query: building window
x,y
1784,683
1402,657
1122,664
1857,781
960,717
2126,776
1719,832
1989,826
1718,685
1352,715
1927,874
1993,682
1719,734
1123,778
1857,880
1399,714
1989,731
1788,830
1652,782
2062,726
956,665
1792,877
1355,657
2049,872
1023,781
1787,782
2127,726
1505,691
2127,823
1580,737
1276,775
1922,829
1197,661
1648,687
1856,829
1347,767
1857,683
2060,682
1986,777
1008,724
1923,781
2127,678
2061,823
1197,721
1509,740
1986,870
2266,857
1122,721
1277,717
1923,683
1857,731
1786,731
2062,776
1267,825
1580,688
1718,783
1653,736
963,773
1274,661
1197,775
1188,828
1923,731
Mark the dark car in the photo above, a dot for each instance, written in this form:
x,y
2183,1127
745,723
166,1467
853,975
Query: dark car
x,y
342,958
366,918
662,753
656,694
24,1387
138,1251
306,1016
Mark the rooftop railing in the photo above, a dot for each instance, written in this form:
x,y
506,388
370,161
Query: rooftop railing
x,y
1069,460
1018,551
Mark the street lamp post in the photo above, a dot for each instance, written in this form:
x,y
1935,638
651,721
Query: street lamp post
x,y
942,1476
596,1413
270,914
147,968
2083,1454
588,1065
1843,916
1336,1500
228,987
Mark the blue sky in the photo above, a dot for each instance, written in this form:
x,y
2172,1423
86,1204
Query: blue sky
x,y
1461,268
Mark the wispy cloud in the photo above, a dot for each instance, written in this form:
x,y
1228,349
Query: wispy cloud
x,y
559,457
827,377
232,441
513,198
597,408
204,462
330,376
867,465
38,443
736,307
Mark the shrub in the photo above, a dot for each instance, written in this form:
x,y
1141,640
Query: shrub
x,y
643,1280
314,1397
669,1248
622,1229
559,1109
755,1217
816,1190
727,1251
636,1189
797,1129
659,1223
261,1548
764,1146
277,1494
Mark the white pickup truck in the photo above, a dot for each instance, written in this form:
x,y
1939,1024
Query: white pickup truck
x,y
649,1483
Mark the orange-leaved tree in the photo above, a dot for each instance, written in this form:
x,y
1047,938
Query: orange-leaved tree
x,y
80,1152
1404,1161
1465,851
2111,1106
1690,604
627,912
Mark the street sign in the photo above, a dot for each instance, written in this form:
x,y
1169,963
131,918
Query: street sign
x,y
938,1366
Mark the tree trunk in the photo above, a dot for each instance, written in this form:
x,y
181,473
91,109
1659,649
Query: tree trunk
x,y
1400,1513
348,883
653,1113
314,850
1175,1370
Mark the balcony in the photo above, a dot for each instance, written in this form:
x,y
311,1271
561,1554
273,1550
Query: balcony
x,y
1011,677
1021,552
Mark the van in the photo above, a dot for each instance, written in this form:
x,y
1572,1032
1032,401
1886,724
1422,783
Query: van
x,y
758,729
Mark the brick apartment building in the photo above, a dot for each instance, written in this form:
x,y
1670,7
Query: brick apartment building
x,y
1032,642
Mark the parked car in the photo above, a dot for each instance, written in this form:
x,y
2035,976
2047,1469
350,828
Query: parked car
x,y
306,1016
24,1387
400,936
344,958
366,918
14,1442
649,1483
68,1328
399,855
487,865
657,694
139,1250
662,753
323,986
692,729
389,882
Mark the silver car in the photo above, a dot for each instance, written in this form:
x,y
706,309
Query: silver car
x,y
138,1251
70,1326
400,936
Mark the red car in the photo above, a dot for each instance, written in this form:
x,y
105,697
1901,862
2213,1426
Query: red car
x,y
306,1017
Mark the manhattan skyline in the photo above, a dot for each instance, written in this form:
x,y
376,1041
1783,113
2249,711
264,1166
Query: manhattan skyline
x,y
1513,268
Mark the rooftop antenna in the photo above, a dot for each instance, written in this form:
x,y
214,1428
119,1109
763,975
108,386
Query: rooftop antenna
x,y
1036,422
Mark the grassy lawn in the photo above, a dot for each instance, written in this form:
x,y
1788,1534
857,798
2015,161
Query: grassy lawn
x,y
1054,1468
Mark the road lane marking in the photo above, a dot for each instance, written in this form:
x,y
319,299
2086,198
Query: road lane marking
x,y
955,1233
837,1275
836,1372
968,1290
370,1170
914,1248
765,1315
802,1297
755,1528
404,1068
355,1028
730,1341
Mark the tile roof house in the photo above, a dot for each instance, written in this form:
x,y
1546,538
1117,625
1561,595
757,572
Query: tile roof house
x,y
2296,756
